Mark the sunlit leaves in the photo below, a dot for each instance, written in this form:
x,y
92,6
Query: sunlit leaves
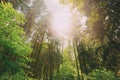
x,y
93,18
13,49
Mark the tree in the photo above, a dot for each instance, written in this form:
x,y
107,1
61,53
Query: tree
x,y
67,69
103,28
14,51
17,3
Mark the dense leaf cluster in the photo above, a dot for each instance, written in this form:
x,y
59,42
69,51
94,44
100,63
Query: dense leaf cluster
x,y
14,51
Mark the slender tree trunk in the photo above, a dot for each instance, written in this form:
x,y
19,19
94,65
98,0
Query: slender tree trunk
x,y
51,72
76,61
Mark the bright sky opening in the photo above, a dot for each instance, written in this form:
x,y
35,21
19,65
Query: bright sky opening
x,y
60,21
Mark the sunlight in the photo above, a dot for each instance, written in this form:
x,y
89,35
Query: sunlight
x,y
60,21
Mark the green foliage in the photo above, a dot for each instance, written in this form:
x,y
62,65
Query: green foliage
x,y
93,18
18,76
47,59
66,72
103,26
14,51
97,47
101,75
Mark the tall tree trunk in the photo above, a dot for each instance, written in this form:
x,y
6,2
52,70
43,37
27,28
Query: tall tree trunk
x,y
51,71
76,60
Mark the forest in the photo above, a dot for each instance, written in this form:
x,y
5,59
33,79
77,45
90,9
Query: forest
x,y
59,39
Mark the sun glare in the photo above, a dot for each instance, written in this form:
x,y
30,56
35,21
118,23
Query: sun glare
x,y
60,21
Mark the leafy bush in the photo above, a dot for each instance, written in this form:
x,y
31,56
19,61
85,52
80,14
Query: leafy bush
x,y
101,75
18,76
